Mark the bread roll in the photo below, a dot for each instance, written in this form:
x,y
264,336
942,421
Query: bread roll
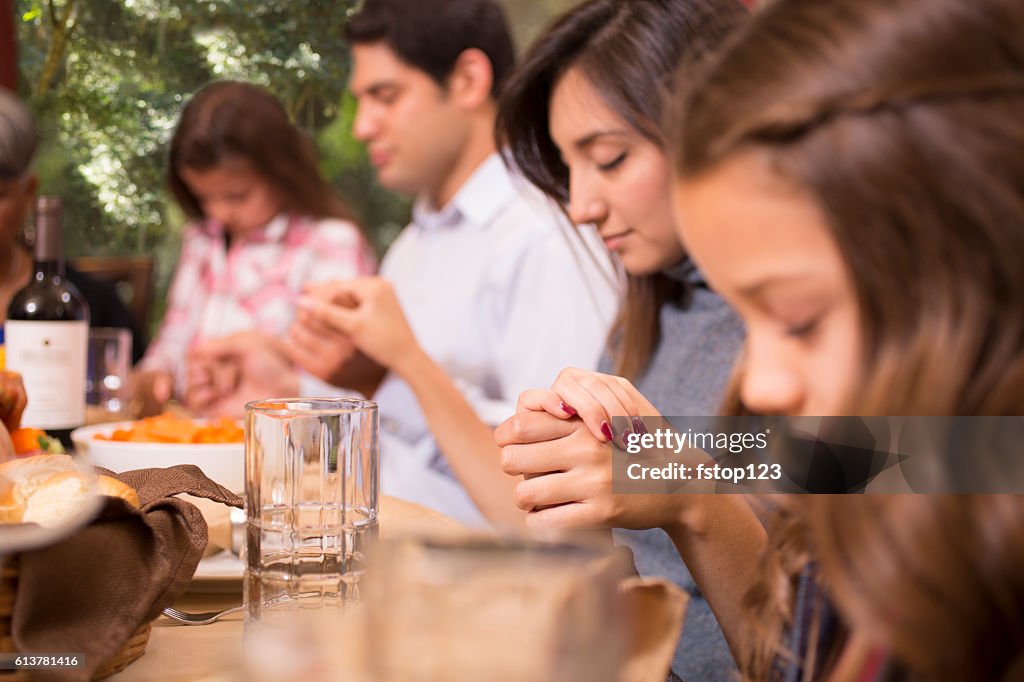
x,y
56,499
28,473
9,510
49,490
112,487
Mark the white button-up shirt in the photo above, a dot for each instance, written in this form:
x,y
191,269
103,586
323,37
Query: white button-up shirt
x,y
502,293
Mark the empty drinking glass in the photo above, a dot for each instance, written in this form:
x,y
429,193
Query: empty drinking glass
x,y
109,362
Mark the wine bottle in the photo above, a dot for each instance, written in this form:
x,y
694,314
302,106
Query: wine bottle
x,y
46,334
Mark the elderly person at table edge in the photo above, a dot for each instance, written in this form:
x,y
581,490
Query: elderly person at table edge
x,y
19,185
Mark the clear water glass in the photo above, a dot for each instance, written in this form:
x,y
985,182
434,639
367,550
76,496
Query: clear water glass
x,y
311,499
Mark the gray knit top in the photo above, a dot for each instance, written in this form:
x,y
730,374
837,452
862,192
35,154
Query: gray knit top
x,y
700,339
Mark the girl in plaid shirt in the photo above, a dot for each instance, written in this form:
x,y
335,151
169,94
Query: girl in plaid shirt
x,y
264,223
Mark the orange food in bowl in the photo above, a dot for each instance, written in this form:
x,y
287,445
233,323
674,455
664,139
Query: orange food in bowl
x,y
170,428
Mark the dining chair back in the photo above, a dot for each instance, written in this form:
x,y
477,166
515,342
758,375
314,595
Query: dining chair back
x,y
132,277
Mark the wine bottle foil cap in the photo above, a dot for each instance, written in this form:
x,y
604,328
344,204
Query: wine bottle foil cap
x,y
47,204
48,238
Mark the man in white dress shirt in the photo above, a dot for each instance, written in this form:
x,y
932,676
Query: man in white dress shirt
x,y
488,292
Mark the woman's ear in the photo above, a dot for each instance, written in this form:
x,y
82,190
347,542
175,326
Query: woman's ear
x,y
471,79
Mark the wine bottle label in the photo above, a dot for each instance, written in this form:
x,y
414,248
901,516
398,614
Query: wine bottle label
x,y
51,358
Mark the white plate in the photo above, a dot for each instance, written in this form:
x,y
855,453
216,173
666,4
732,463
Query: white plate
x,y
221,566
219,573
223,462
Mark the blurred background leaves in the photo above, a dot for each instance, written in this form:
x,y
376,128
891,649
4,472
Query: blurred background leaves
x,y
107,80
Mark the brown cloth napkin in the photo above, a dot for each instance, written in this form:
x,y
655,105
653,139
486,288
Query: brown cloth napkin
x,y
89,593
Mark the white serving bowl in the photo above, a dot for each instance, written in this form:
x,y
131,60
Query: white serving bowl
x,y
223,462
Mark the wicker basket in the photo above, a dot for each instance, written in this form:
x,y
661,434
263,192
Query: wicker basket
x,y
131,651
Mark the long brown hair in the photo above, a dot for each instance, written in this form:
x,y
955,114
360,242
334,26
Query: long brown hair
x,y
938,579
904,126
629,51
230,120
904,120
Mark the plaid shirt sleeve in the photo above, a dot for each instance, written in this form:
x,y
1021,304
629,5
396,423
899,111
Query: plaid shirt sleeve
x,y
341,253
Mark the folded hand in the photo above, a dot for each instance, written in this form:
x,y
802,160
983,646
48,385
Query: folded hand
x,y
327,353
596,399
237,369
559,440
363,312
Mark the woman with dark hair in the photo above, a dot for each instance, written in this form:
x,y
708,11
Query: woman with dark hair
x,y
848,182
581,119
264,223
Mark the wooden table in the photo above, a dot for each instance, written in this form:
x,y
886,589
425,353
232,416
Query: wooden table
x,y
208,653
195,653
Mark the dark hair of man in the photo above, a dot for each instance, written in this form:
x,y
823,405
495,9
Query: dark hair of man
x,y
429,35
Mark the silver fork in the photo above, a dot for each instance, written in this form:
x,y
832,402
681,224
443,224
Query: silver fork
x,y
204,618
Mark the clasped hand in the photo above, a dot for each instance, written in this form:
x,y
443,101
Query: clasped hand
x,y
558,441
347,331
226,373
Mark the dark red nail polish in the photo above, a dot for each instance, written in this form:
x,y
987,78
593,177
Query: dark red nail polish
x,y
568,410
606,430
639,426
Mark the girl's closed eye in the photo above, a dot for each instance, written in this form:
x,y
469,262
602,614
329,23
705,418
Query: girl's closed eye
x,y
803,330
797,314
614,163
237,197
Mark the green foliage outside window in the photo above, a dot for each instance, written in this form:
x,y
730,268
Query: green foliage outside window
x,y
108,78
